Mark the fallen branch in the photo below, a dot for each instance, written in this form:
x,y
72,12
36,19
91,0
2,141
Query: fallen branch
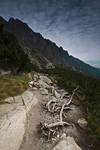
x,y
59,106
61,113
53,107
61,122
48,104
65,108
71,98
57,124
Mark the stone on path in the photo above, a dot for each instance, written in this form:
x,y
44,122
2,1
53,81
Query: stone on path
x,y
9,100
56,94
43,91
82,123
67,143
46,79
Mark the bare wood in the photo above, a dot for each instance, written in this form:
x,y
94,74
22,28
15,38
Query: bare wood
x,y
53,107
60,123
48,104
68,108
65,108
61,112
71,98
58,108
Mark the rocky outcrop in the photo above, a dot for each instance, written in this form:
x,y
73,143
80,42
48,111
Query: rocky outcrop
x,y
82,123
12,127
57,124
42,51
56,94
12,131
44,91
45,79
59,115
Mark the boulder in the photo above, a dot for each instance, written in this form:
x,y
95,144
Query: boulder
x,y
31,84
9,100
44,91
82,123
50,66
27,96
35,77
67,143
34,88
45,79
53,98
43,84
56,94
18,99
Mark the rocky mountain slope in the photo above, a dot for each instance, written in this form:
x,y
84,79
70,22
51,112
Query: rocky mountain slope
x,y
12,56
43,51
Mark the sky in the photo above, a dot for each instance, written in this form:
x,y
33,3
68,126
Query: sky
x,y
72,24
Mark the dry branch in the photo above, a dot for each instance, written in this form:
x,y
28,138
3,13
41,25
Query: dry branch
x,y
58,105
61,112
71,98
65,108
61,122
57,124
48,104
53,107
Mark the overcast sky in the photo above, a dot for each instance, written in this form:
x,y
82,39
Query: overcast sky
x,y
72,24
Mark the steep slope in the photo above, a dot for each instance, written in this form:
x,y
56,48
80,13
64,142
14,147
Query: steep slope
x,y
43,51
12,56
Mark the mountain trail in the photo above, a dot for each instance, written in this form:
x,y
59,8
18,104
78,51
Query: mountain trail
x,y
30,141
52,104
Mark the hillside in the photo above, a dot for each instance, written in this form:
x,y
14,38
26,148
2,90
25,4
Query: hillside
x,y
19,49
88,96
12,56
43,51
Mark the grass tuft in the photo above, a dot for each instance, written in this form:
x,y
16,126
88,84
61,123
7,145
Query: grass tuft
x,y
12,85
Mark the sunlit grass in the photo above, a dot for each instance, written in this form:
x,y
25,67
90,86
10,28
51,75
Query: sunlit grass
x,y
11,85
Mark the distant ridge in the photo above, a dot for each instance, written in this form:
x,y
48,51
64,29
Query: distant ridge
x,y
43,51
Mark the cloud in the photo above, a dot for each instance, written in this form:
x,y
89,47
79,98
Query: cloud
x,y
73,24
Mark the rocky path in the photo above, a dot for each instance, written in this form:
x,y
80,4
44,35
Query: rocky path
x,y
13,115
30,141
52,119
38,136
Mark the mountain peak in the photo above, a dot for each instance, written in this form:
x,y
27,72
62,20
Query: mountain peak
x,y
43,50
16,20
11,19
2,20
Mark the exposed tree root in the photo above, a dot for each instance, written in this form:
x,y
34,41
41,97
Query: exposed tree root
x,y
71,98
61,113
52,128
61,122
57,124
48,104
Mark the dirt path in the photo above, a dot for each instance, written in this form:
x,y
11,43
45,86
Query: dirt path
x,y
30,141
